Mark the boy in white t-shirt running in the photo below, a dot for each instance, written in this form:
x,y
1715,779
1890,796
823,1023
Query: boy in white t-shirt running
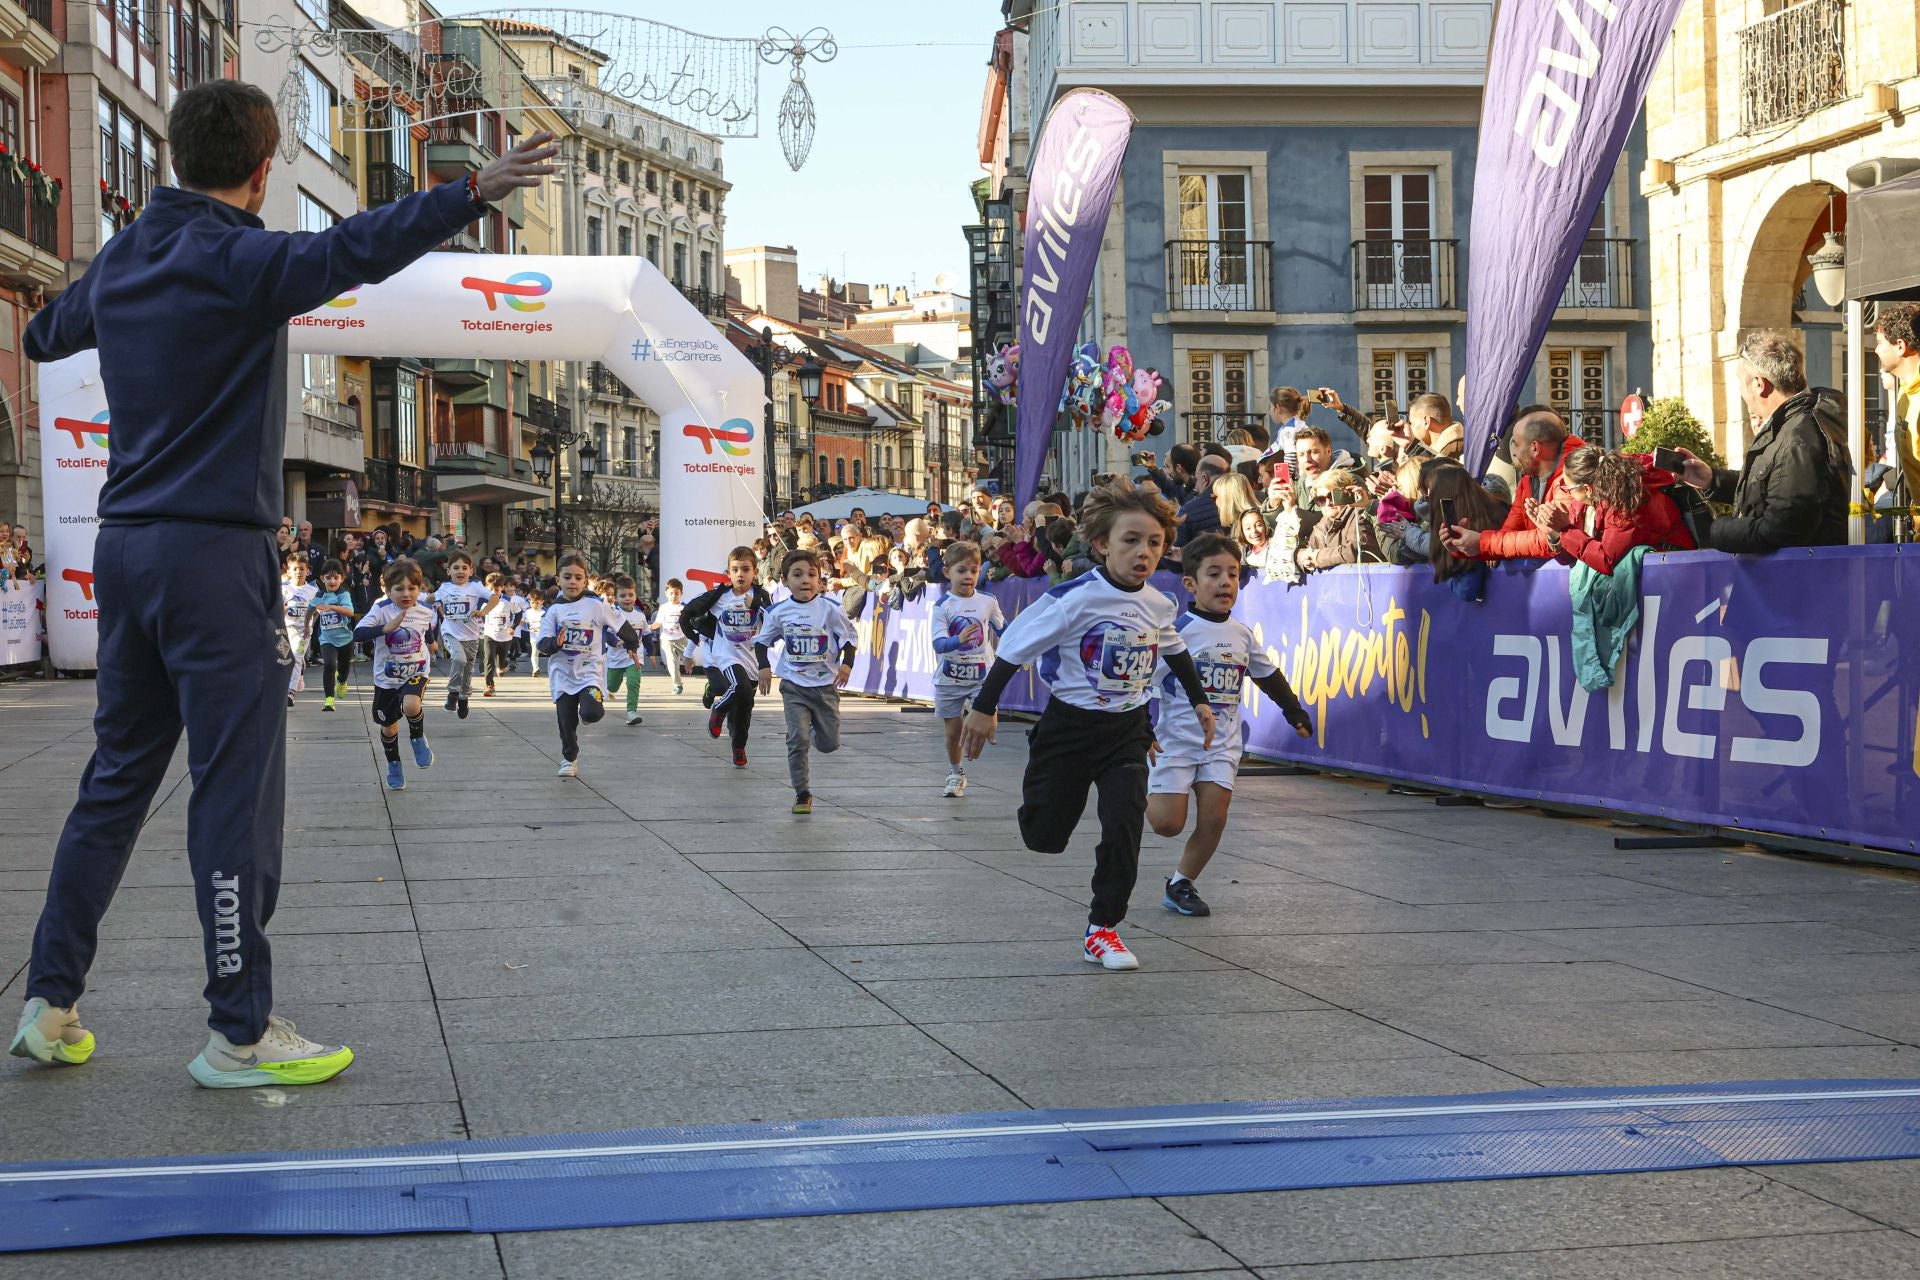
x,y
673,641
496,635
816,640
400,626
1226,656
463,605
622,669
575,633
296,596
966,624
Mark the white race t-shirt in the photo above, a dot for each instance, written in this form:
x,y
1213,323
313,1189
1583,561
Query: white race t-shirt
x,y
299,603
1226,655
585,629
669,619
617,657
952,615
400,656
810,637
459,604
1094,644
498,626
735,621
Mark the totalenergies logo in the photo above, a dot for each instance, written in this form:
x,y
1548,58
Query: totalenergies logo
x,y
735,438
81,579
346,299
83,431
515,290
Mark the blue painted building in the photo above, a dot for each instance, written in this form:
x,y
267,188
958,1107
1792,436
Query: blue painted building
x,y
1294,208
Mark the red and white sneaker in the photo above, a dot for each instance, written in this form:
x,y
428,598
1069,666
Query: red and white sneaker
x,y
1103,947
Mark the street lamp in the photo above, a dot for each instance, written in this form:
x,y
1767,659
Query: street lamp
x,y
548,441
589,467
768,356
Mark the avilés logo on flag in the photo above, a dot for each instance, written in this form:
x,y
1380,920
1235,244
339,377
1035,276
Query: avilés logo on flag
x,y
1071,177
1565,79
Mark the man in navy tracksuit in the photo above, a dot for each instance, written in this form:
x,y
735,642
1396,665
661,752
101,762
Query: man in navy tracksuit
x,y
188,307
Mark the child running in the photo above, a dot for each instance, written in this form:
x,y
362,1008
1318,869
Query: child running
x,y
574,633
1224,652
673,640
400,626
496,634
727,618
817,641
296,596
966,622
1097,639
463,605
530,625
622,670
333,628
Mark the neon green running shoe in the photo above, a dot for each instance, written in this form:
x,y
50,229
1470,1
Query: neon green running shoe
x,y
282,1056
340,690
52,1035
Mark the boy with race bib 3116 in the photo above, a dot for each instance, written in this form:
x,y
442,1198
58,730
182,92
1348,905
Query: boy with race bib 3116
x,y
817,645
1097,640
1224,652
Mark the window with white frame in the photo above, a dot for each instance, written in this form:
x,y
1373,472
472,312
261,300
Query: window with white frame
x,y
1399,374
1219,386
315,9
1397,263
1215,224
317,128
318,374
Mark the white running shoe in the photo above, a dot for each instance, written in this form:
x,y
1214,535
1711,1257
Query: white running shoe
x,y
956,785
633,718
51,1034
1103,947
569,769
282,1056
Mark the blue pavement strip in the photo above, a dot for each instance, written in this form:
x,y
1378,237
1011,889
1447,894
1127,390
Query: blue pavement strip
x,y
730,1172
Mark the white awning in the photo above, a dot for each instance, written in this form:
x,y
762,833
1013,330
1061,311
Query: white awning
x,y
481,487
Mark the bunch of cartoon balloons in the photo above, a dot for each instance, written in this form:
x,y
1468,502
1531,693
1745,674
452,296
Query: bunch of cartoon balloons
x,y
1113,394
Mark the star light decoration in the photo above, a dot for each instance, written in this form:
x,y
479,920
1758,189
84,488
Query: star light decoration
x,y
796,116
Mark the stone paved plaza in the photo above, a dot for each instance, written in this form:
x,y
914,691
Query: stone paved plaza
x,y
661,943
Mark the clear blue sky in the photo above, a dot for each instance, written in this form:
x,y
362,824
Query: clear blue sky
x,y
884,194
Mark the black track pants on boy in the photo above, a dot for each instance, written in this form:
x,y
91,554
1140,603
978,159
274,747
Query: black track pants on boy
x,y
1071,751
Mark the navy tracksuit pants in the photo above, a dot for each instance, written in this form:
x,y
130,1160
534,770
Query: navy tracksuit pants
x,y
193,637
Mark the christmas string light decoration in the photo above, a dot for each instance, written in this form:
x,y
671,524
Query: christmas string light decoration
x,y
796,106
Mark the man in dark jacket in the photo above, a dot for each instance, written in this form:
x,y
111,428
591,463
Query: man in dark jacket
x,y
1792,492
188,307
1202,515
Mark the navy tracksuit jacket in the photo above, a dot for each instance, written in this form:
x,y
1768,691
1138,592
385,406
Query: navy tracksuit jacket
x,y
188,307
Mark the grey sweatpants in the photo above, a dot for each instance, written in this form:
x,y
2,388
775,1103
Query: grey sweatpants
x,y
813,718
460,658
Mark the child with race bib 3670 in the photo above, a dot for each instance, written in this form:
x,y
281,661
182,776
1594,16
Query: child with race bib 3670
x,y
1226,654
1097,639
463,605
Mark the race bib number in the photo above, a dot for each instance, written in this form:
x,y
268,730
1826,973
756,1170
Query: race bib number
x,y
804,644
576,637
1126,661
404,670
736,624
963,670
457,608
1222,681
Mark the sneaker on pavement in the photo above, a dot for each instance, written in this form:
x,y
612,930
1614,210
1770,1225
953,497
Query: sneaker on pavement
x,y
1103,947
803,803
569,769
422,753
739,757
453,701
289,699
51,1034
716,723
282,1056
677,691
956,785
461,711
1181,896
633,718
488,693
340,690
396,780
328,704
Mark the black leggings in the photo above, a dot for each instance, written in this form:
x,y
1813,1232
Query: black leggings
x,y
335,661
574,710
1070,752
733,694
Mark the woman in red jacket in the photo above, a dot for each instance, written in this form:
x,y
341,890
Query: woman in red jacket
x,y
1620,503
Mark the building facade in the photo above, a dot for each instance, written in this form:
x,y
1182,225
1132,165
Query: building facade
x,y
1760,120
1293,208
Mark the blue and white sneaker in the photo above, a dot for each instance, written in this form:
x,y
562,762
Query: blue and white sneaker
x,y
422,753
396,780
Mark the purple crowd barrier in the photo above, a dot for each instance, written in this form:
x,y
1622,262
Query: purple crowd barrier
x,y
1776,694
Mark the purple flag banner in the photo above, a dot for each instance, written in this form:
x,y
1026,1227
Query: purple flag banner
x,y
1767,693
1565,79
1070,184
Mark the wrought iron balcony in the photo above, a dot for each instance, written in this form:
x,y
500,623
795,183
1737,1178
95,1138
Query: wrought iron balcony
x,y
710,302
1414,274
387,182
540,412
1602,275
1212,428
1792,63
401,486
604,383
1219,275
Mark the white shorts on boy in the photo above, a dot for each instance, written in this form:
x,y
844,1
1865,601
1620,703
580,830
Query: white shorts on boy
x,y
1175,775
952,701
